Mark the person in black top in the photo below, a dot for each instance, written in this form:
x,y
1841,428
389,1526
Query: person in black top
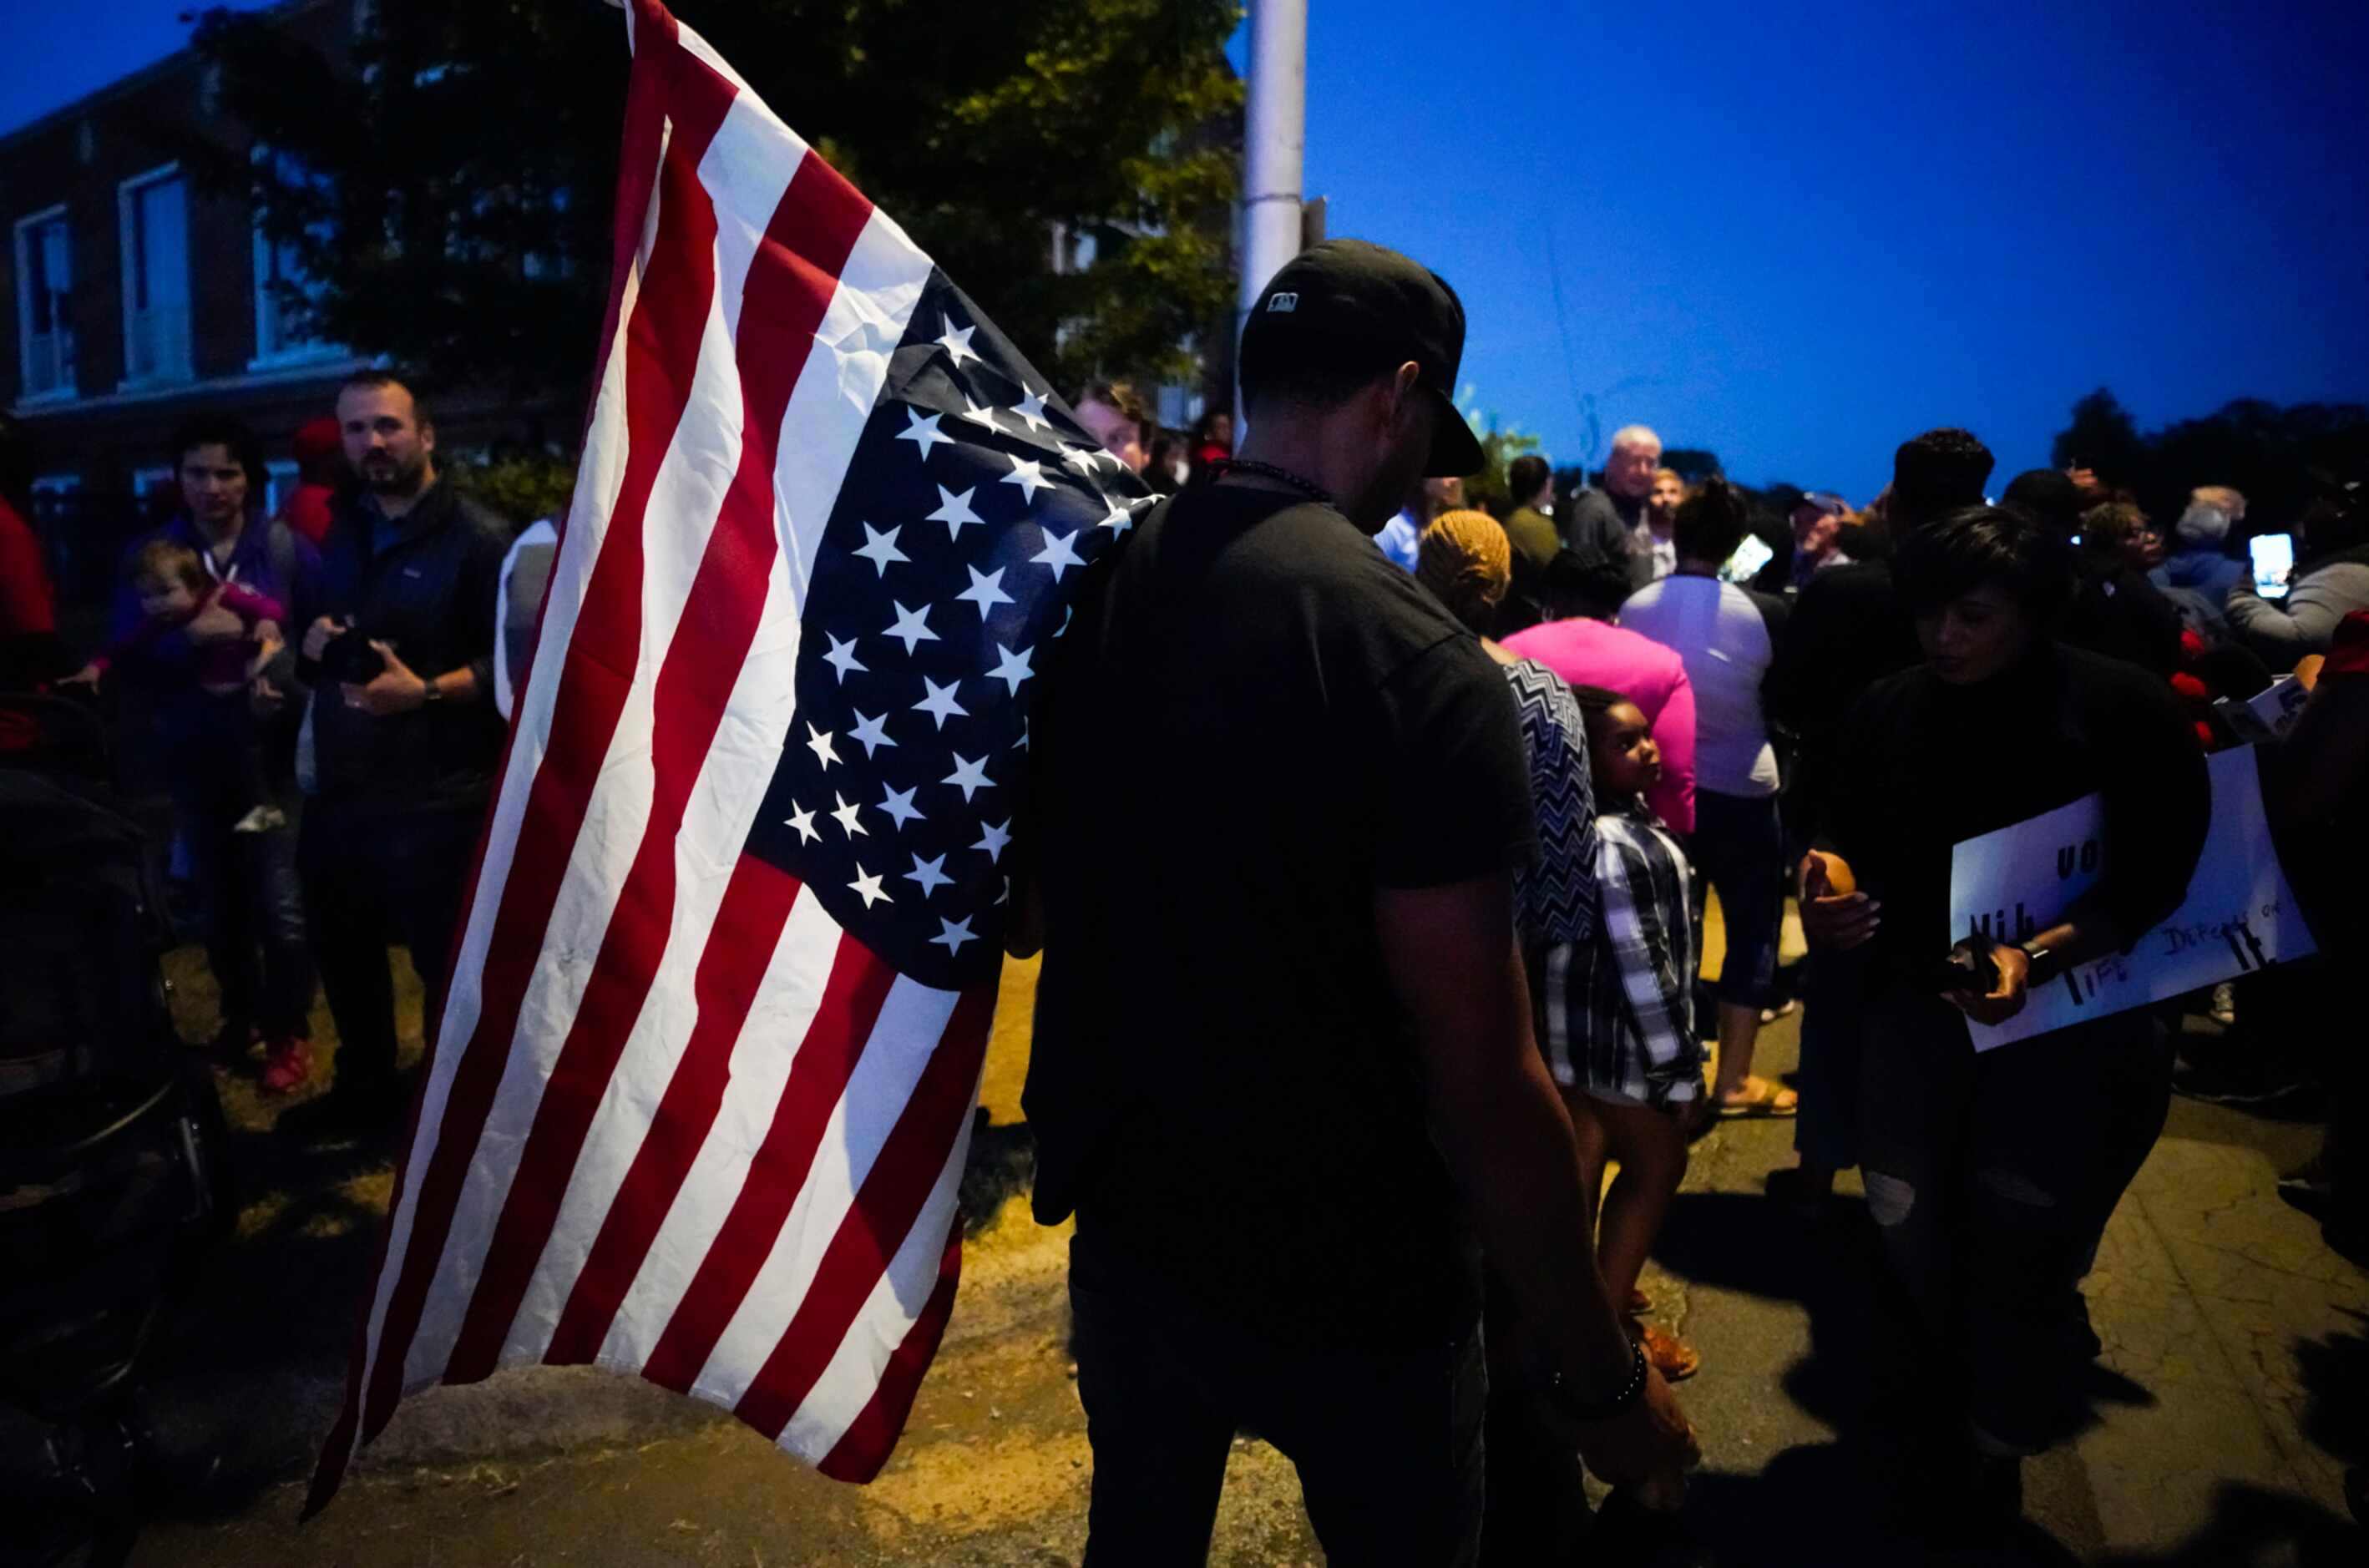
x,y
1282,1036
1848,630
401,734
2116,609
1991,1175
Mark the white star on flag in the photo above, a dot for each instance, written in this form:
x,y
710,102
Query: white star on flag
x,y
818,742
803,820
954,511
845,817
993,838
1059,552
968,776
872,732
938,702
956,344
1030,411
930,873
978,415
869,885
923,432
842,657
1011,668
1029,475
881,548
898,804
1080,459
1119,521
986,589
912,627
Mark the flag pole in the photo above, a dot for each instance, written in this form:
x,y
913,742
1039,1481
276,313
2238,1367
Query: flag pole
x,y
1274,139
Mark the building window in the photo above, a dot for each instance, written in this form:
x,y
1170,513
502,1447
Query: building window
x,y
44,299
284,295
152,212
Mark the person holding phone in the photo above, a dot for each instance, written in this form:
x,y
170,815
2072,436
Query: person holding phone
x,y
1991,1175
2331,580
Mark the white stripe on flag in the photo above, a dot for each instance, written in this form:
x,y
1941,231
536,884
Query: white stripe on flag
x,y
878,286
911,1020
847,1384
785,1008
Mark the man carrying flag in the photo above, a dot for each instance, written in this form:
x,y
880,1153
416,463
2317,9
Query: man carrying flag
x,y
1283,1037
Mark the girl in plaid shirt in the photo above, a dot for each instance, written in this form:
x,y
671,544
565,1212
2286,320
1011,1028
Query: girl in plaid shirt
x,y
1618,1012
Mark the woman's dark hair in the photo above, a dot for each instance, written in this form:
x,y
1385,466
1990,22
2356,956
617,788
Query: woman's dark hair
x,y
1712,521
1977,545
1524,475
232,436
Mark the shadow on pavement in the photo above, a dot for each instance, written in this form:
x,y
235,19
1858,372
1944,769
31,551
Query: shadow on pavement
x,y
1866,1375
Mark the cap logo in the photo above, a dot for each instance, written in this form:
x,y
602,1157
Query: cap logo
x,y
1282,303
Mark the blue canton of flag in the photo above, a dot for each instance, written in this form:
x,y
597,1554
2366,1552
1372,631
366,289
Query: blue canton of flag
x,y
973,503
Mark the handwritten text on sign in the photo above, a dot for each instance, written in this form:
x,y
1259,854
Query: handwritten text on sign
x,y
2238,916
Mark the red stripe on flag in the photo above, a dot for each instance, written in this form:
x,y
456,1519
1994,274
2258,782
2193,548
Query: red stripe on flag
x,y
835,1040
790,283
748,928
897,1185
871,1437
662,346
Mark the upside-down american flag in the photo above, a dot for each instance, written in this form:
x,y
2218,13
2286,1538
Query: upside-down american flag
x,y
700,1097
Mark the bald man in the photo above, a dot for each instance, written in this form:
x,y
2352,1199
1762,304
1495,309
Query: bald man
x,y
1607,521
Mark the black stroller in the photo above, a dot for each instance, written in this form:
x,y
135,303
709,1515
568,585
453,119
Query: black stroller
x,y
111,1143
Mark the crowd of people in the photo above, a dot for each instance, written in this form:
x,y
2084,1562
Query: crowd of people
x,y
1426,804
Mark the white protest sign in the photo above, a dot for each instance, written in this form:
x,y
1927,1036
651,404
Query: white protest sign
x,y
2270,714
2240,915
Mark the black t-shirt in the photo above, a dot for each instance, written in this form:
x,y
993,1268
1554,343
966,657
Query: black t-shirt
x,y
1256,720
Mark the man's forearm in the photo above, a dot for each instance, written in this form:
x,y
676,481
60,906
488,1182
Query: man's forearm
x,y
1511,1147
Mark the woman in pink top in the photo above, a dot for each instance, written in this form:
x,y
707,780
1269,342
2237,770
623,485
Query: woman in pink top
x,y
1597,653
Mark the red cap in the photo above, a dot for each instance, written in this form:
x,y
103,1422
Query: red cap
x,y
315,438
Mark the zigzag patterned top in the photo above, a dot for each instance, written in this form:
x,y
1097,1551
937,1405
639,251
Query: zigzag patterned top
x,y
1555,901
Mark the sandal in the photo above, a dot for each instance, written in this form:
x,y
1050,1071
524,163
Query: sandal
x,y
1761,1099
1672,1357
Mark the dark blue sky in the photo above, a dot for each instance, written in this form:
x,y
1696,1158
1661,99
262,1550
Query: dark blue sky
x,y
1798,234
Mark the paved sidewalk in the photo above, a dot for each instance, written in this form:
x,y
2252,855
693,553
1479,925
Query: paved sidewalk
x,y
2224,1420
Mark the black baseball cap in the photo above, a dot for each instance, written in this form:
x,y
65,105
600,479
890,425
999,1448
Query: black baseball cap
x,y
1357,307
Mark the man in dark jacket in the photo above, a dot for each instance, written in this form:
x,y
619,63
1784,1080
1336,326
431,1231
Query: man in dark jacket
x,y
402,738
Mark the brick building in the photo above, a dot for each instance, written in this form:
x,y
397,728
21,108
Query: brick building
x,y
134,298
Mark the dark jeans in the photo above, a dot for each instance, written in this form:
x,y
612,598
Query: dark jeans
x,y
1827,1132
1740,852
1386,1441
373,878
1991,1178
253,917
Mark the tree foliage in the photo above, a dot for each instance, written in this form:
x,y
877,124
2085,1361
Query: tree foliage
x,y
2268,453
454,201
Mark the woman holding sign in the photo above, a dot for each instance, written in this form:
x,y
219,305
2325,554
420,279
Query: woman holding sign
x,y
1991,1173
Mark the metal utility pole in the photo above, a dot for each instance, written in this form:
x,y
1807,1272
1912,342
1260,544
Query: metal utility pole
x,y
1274,139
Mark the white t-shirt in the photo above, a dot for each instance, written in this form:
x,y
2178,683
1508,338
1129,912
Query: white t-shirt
x,y
1727,637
